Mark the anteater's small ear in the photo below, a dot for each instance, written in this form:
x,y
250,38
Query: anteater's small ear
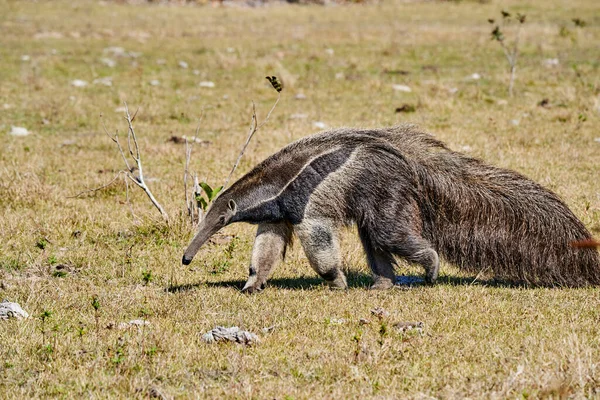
x,y
232,206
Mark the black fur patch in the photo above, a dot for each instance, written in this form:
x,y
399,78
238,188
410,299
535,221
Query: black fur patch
x,y
331,275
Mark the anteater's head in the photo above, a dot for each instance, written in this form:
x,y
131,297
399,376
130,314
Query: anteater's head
x,y
219,215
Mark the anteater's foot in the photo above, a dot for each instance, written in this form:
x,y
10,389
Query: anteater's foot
x,y
339,282
382,283
253,288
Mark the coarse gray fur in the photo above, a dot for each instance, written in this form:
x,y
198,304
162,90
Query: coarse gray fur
x,y
411,197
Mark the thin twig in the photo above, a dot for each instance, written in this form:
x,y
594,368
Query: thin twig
x,y
254,126
188,153
98,188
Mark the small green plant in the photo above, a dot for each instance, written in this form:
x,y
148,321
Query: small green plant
x,y
210,193
44,317
147,277
42,243
498,36
52,260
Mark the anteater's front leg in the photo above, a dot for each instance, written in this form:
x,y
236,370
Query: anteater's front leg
x,y
269,249
321,245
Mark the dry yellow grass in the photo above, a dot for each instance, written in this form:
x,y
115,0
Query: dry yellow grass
x,y
480,341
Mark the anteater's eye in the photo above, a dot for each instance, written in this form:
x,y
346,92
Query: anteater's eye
x,y
222,220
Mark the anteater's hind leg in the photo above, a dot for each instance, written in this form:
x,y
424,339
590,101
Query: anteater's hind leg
x,y
418,250
321,245
381,263
269,249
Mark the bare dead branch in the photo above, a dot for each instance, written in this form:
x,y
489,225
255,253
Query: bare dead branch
x,y
134,151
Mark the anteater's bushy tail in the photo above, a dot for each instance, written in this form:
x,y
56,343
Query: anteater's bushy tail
x,y
482,217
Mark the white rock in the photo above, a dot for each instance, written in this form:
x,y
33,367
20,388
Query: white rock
x,y
6,106
116,51
135,322
515,122
339,75
300,96
337,321
551,62
121,109
79,83
106,81
231,334
230,50
196,72
207,84
154,82
597,140
25,57
19,131
183,64
453,90
474,77
330,51
466,148
401,88
319,124
109,62
299,116
12,310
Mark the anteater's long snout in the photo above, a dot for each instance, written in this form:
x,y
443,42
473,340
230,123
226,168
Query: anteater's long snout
x,y
205,231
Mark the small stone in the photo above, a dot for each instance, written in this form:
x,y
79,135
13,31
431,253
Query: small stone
x,y
230,50
515,122
154,82
319,125
25,57
551,62
161,61
183,64
364,321
339,75
401,88
409,327
11,310
196,72
466,148
109,62
337,321
380,313
330,51
231,334
502,102
138,323
18,131
453,90
207,84
597,140
79,83
299,116
300,96
106,81
474,77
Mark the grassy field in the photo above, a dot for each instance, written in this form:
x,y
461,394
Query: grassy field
x,y
338,65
